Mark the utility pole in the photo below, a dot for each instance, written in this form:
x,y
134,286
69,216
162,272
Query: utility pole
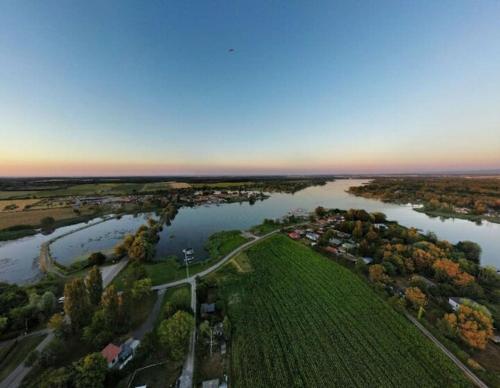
x,y
211,340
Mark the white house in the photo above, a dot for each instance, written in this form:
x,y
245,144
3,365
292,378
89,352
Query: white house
x,y
312,236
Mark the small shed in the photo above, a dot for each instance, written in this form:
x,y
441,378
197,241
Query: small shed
x,y
210,383
207,308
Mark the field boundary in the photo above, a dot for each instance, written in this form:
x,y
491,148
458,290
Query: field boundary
x,y
470,375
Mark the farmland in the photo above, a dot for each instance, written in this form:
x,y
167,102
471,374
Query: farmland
x,y
299,319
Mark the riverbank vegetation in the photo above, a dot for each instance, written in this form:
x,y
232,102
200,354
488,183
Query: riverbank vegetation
x,y
171,269
299,319
460,197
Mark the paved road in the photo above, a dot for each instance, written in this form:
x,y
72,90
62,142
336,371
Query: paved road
x,y
18,374
148,326
457,362
110,271
186,378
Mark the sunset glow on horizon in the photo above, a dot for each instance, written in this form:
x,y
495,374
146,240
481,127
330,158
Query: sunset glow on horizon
x,y
136,88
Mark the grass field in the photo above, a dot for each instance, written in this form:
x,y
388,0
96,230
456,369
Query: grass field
x,y
301,320
18,354
221,243
119,188
33,217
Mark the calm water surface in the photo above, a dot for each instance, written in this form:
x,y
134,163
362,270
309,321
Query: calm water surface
x,y
192,226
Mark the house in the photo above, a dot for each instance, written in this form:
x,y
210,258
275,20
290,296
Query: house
x,y
456,302
128,351
495,339
334,241
380,226
312,236
210,383
348,246
294,235
331,250
367,260
111,353
207,308
219,329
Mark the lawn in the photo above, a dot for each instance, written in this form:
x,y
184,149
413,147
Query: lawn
x,y
18,354
299,320
169,270
264,228
221,243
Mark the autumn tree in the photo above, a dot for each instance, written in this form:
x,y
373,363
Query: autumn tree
x,y
76,303
448,270
473,325
93,282
174,334
415,297
141,249
377,274
357,233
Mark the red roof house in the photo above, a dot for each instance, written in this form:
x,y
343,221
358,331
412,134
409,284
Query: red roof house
x,y
294,235
110,353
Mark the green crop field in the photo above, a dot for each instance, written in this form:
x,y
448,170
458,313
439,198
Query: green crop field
x,y
301,320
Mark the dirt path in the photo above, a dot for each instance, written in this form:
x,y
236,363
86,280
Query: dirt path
x,y
452,357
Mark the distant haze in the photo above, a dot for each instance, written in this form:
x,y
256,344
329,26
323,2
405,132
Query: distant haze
x,y
228,87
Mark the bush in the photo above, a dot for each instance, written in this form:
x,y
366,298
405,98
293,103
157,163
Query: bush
x,y
96,258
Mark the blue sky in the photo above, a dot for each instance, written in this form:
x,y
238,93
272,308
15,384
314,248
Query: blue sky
x,y
136,87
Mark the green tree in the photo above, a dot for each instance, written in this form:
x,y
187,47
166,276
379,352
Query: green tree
x,y
110,304
226,324
141,289
56,378
96,258
3,324
91,371
47,224
93,282
320,211
174,334
99,332
204,330
471,250
47,303
76,303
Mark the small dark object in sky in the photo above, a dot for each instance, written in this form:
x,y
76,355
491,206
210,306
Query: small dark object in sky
x,y
231,50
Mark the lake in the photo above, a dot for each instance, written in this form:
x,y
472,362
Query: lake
x,y
192,227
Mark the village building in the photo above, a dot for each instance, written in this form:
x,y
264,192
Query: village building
x,y
367,260
111,353
312,236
